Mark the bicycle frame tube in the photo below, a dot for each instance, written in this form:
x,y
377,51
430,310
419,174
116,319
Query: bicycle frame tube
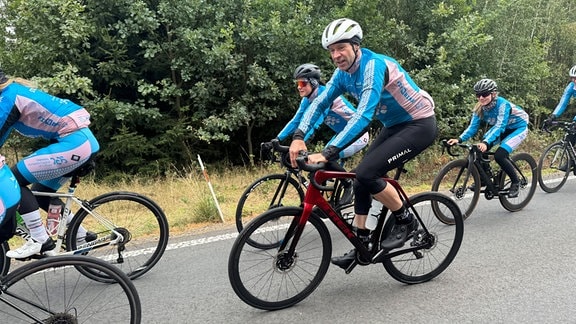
x,y
62,225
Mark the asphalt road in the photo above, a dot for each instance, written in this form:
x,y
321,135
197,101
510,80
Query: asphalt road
x,y
512,268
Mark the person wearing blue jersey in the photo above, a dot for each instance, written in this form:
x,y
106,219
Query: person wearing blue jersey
x,y
309,84
386,93
9,199
34,113
569,92
509,127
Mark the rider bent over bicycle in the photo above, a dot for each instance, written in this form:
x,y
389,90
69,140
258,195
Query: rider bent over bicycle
x,y
509,128
34,113
385,92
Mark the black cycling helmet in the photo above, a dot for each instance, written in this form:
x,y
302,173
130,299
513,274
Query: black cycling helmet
x,y
307,71
485,85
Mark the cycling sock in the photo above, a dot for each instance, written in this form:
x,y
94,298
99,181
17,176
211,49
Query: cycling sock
x,y
402,215
34,223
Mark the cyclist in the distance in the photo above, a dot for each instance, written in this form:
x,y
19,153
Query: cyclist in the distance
x,y
310,85
509,127
385,92
9,199
34,113
569,92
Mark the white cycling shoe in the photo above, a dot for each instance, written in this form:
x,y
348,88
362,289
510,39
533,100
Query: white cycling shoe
x,y
31,248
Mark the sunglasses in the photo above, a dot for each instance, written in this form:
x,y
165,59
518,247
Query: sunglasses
x,y
301,83
483,94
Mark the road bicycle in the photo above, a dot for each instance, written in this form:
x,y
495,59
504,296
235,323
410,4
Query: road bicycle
x,y
465,179
55,290
287,189
558,158
126,229
294,249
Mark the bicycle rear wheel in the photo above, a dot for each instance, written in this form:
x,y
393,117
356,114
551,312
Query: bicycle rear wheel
x,y
4,260
550,177
440,243
52,290
451,181
138,219
271,279
528,182
268,192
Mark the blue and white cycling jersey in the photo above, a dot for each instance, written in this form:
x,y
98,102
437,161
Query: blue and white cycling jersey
x,y
502,116
335,117
397,101
569,92
34,113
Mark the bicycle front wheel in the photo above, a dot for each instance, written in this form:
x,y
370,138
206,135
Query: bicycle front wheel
x,y
554,157
439,241
528,182
52,290
141,223
268,192
273,279
459,183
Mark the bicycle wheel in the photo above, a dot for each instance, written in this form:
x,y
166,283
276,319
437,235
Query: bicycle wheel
x,y
440,243
550,177
271,191
52,290
528,182
271,279
138,219
451,181
4,260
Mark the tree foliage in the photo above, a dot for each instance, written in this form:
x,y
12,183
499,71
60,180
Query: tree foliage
x,y
167,79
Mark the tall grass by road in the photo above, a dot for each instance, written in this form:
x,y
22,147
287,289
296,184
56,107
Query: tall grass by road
x,y
186,199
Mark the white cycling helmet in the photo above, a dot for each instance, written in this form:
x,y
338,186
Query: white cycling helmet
x,y
341,30
573,72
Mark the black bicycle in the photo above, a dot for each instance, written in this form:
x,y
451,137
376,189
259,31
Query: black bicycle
x,y
558,158
283,189
465,179
294,244
56,290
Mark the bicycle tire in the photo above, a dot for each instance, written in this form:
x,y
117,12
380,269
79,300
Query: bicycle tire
x,y
526,163
264,194
138,218
450,182
261,279
4,260
52,290
550,178
425,264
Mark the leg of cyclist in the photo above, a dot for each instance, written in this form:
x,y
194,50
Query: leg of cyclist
x,y
47,166
511,140
352,149
391,148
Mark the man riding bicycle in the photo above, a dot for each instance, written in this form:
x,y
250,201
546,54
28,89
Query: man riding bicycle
x,y
385,92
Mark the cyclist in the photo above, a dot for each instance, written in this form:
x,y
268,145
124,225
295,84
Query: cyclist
x,y
34,113
385,92
569,92
509,127
309,84
9,198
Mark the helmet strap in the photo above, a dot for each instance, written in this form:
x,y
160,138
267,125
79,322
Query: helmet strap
x,y
355,55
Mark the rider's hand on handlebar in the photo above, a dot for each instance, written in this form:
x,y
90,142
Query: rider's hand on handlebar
x,y
452,141
295,148
316,158
482,147
548,121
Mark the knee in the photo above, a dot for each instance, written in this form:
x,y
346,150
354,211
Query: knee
x,y
501,155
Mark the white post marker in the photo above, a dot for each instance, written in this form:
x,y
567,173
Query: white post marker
x,y
211,189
